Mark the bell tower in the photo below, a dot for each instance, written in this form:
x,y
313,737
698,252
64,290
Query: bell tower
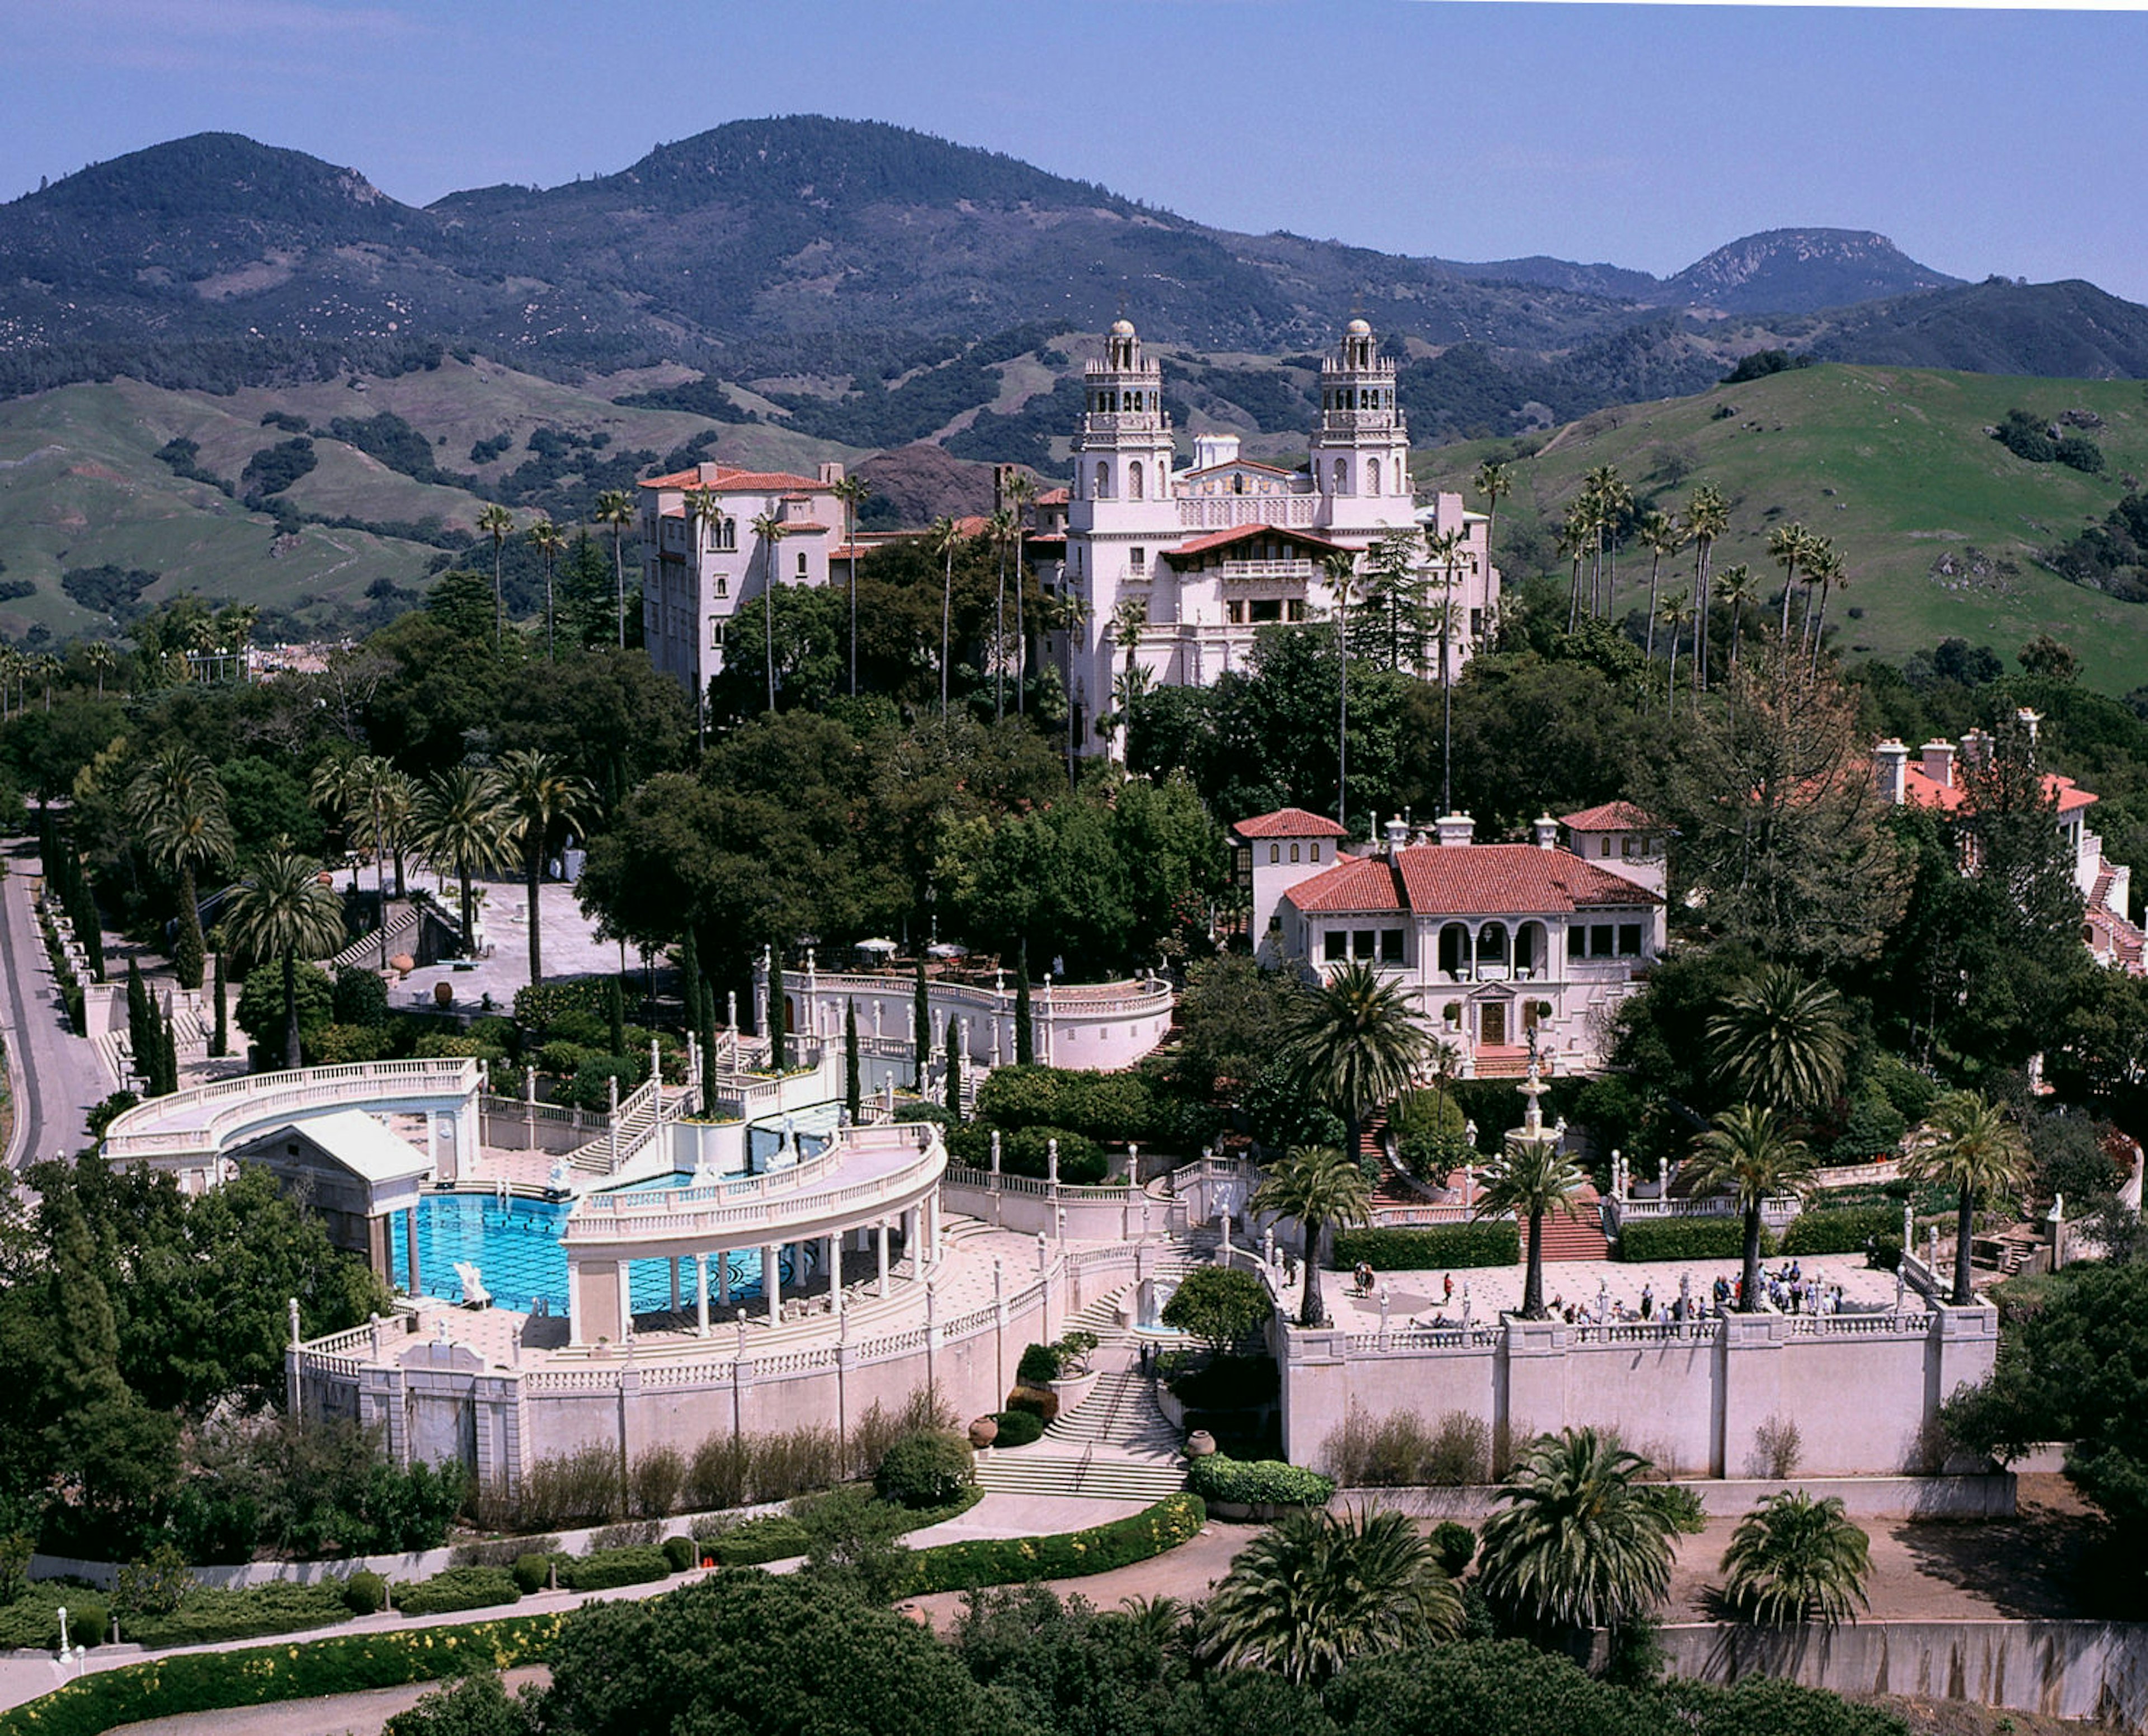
x,y
1123,450
1362,449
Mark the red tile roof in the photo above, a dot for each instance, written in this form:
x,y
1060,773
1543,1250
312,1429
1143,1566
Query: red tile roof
x,y
1243,463
1290,823
1609,816
1051,497
1478,880
1224,539
739,482
1928,792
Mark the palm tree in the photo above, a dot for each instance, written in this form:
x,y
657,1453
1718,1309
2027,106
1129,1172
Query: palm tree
x,y
546,538
1825,567
851,491
1129,616
999,527
1352,1043
463,829
283,912
1706,519
615,506
1021,492
498,523
1972,1145
372,786
398,801
1782,1040
768,527
944,539
1737,593
1579,1540
1531,1179
100,656
1318,1185
1340,569
1660,535
538,795
1787,544
1675,614
1493,479
334,791
1796,1559
1576,535
1318,1590
177,807
1446,616
1747,1151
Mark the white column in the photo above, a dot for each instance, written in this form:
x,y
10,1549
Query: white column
x,y
701,1294
675,1283
883,1256
835,1273
771,1284
932,1205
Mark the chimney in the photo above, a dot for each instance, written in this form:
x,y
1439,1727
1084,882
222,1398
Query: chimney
x,y
831,474
1456,829
1546,831
1890,763
1213,449
1938,758
1975,749
1397,833
2029,719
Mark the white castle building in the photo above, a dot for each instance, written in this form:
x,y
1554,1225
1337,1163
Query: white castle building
x,y
1175,568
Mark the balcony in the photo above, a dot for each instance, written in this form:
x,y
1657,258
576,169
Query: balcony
x,y
1246,572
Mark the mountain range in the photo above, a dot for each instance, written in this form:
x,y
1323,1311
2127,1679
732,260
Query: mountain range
x,y
797,260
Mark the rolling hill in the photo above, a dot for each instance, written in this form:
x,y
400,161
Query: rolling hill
x,y
1941,526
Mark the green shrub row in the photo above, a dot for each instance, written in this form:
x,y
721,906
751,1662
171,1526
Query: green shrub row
x,y
1015,1561
777,1537
265,1675
1430,1249
636,1564
1842,1233
458,1589
206,1615
1259,1482
1688,1238
1017,1428
1104,1106
1027,1152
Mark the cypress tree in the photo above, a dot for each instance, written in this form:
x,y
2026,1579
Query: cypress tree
x,y
920,1024
852,1094
954,1066
142,1041
616,1011
219,1039
708,1003
690,965
167,1052
1025,1038
778,1057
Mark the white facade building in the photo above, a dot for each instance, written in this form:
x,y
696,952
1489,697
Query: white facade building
x,y
1489,941
1188,563
703,562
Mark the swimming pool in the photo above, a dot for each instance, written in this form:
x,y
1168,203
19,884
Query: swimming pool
x,y
516,1250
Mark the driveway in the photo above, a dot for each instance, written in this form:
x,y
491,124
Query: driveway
x,y
56,1074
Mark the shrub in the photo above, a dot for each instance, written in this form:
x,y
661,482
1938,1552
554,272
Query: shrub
x,y
156,1585
928,1469
1688,1238
636,1565
532,1573
1777,1447
1440,1247
210,1617
1027,1152
621,1536
1219,1305
359,997
1017,1428
719,1473
1261,1482
590,1088
1039,1363
880,1428
1041,1405
459,1588
1455,1544
573,1488
1400,1452
1015,1561
561,1058
795,1463
1229,1383
335,1045
1114,1106
500,1551
777,1537
680,1553
365,1593
1840,1233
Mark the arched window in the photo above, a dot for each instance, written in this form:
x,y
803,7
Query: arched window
x,y
1293,852
1103,482
1492,943
1134,480
1341,471
1454,950
1372,476
1315,852
1275,852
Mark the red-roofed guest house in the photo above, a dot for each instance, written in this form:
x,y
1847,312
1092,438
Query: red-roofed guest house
x,y
1489,941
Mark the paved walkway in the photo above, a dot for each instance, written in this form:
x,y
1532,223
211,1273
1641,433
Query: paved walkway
x,y
57,1081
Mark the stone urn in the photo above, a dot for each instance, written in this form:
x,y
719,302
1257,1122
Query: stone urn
x,y
1200,1444
402,964
443,994
984,1432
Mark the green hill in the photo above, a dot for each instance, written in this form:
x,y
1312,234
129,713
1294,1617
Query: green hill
x,y
1942,527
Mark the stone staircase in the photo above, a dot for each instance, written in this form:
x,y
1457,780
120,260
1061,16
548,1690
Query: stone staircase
x,y
635,1126
1574,1238
365,950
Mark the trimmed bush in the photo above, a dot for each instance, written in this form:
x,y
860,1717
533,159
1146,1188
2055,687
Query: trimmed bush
x,y
1690,1238
1258,1482
1109,1106
209,1616
1027,1152
459,1588
365,1594
619,1537
928,1469
1455,1544
680,1553
1041,1405
1017,1428
1015,1561
637,1564
1400,1450
532,1573
776,1538
220,1681
1841,1232
1039,1363
1437,1247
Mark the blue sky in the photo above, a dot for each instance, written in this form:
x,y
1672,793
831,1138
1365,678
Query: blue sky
x,y
1980,141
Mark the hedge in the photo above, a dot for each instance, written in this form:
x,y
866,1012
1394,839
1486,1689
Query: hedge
x,y
458,1589
1688,1238
208,1615
777,1537
1494,1242
1108,1106
636,1564
1017,1428
1258,1482
1017,1560
1842,1233
265,1675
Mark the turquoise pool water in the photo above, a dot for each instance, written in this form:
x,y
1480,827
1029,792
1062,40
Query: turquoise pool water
x,y
516,1250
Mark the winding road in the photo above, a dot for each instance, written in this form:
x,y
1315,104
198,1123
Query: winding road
x,y
56,1075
